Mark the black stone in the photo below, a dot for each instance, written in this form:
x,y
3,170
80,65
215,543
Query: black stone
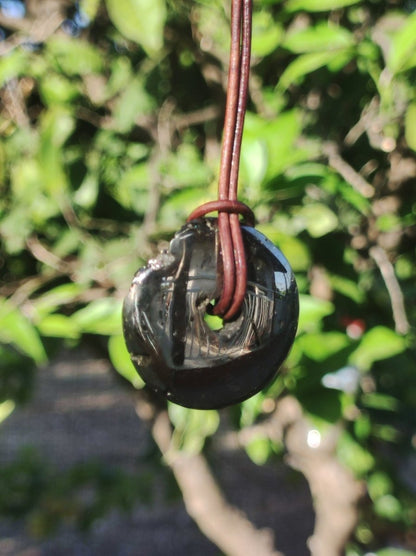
x,y
170,343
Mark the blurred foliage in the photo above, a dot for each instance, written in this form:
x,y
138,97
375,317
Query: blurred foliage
x,y
78,496
111,125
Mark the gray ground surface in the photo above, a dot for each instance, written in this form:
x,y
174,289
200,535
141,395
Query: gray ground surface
x,y
81,411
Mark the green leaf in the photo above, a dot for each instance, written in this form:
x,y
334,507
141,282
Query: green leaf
x,y
387,433
74,57
251,409
120,358
54,298
259,449
388,222
87,193
13,65
318,219
311,170
377,400
324,406
321,345
312,311
339,61
67,243
267,34
295,250
132,103
379,484
185,168
132,191
410,126
304,64
59,326
274,140
6,409
179,205
401,55
213,25
362,427
388,507
121,73
57,125
214,322
15,228
18,330
320,38
318,5
378,343
351,196
33,203
26,181
352,454
394,552
89,7
254,164
347,287
141,21
192,427
102,316
57,89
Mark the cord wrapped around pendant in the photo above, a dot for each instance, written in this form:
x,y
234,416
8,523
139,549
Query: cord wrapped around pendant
x,y
232,270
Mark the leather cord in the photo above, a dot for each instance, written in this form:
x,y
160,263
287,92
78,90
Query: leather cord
x,y
232,268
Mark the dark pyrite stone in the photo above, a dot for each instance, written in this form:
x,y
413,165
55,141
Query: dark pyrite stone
x,y
171,345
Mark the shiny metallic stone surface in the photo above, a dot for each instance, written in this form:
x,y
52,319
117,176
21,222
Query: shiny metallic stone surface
x,y
166,328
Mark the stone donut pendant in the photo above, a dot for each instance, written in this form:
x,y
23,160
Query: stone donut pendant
x,y
167,335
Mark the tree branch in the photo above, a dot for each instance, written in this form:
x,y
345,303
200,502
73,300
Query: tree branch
x,y
381,259
334,489
160,150
34,30
220,522
346,171
41,254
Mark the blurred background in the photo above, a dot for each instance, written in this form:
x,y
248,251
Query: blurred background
x,y
111,118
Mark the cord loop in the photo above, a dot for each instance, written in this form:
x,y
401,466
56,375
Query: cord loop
x,y
232,268
228,206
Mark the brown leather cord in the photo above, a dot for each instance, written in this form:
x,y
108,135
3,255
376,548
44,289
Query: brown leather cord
x,y
233,267
231,207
